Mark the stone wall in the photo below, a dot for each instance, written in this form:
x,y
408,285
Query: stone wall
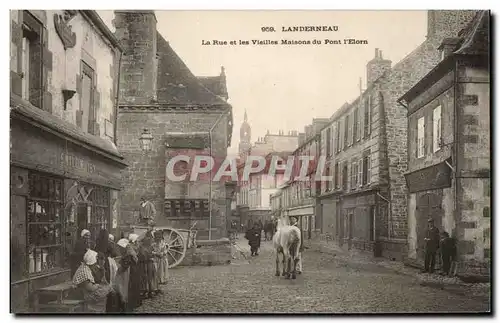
x,y
209,253
146,175
62,69
137,31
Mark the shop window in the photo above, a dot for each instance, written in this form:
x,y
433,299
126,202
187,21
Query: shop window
x,y
31,60
99,210
44,224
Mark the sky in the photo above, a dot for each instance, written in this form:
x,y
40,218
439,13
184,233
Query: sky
x,y
284,87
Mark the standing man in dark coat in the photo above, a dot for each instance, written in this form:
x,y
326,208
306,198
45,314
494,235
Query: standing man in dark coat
x,y
431,246
253,236
147,212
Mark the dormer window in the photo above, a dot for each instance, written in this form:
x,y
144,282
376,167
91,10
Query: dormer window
x,y
448,46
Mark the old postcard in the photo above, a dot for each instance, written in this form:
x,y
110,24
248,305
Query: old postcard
x,y
275,162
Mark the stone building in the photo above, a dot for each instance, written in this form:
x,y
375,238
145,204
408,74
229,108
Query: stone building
x,y
449,148
64,164
161,99
301,194
251,204
366,206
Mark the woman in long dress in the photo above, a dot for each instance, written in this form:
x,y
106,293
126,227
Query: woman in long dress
x,y
160,257
134,291
122,278
149,279
90,279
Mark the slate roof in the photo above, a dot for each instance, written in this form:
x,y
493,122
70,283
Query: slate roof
x,y
176,83
474,40
215,84
476,35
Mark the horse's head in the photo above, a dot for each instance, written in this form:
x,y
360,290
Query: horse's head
x,y
283,221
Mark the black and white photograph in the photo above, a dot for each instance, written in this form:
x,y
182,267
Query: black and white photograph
x,y
250,161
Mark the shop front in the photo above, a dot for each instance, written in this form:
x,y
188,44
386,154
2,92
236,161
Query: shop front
x,y
357,221
62,181
431,197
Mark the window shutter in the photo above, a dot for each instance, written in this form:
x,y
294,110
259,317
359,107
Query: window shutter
x,y
369,169
369,107
361,117
360,172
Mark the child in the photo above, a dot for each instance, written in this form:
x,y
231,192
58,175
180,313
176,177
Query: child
x,y
448,252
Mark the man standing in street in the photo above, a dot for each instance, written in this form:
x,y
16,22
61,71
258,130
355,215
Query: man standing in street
x,y
431,247
147,212
294,221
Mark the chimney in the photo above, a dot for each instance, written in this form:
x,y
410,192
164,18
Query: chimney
x,y
136,31
376,67
448,46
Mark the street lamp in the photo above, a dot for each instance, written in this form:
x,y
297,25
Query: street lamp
x,y
146,139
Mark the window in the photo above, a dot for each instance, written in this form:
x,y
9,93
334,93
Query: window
x,y
31,60
351,128
421,137
359,179
337,138
436,121
329,142
100,210
345,178
357,126
87,100
366,169
486,186
337,176
25,67
367,117
45,223
346,131
328,181
354,174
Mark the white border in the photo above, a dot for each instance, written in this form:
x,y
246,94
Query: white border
x,y
190,5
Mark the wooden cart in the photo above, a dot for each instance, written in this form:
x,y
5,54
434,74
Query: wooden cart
x,y
177,240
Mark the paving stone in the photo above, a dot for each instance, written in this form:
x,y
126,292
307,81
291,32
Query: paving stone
x,y
328,285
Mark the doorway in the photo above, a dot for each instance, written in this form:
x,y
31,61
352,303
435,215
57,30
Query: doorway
x,y
429,205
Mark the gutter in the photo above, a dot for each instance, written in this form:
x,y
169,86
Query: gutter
x,y
211,179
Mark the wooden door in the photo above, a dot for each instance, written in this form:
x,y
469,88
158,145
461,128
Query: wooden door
x,y
428,206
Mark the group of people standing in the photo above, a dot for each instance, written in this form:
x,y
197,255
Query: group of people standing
x,y
116,277
441,244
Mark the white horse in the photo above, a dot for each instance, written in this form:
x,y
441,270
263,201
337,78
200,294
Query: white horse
x,y
287,241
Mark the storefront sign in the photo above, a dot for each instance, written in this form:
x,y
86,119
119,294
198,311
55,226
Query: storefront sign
x,y
430,178
73,161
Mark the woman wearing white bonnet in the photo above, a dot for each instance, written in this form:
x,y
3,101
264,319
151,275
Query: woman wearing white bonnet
x,y
94,294
133,237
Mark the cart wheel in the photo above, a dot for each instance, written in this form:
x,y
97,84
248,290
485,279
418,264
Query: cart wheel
x,y
176,247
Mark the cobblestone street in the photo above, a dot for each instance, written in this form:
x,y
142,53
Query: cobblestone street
x,y
329,284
